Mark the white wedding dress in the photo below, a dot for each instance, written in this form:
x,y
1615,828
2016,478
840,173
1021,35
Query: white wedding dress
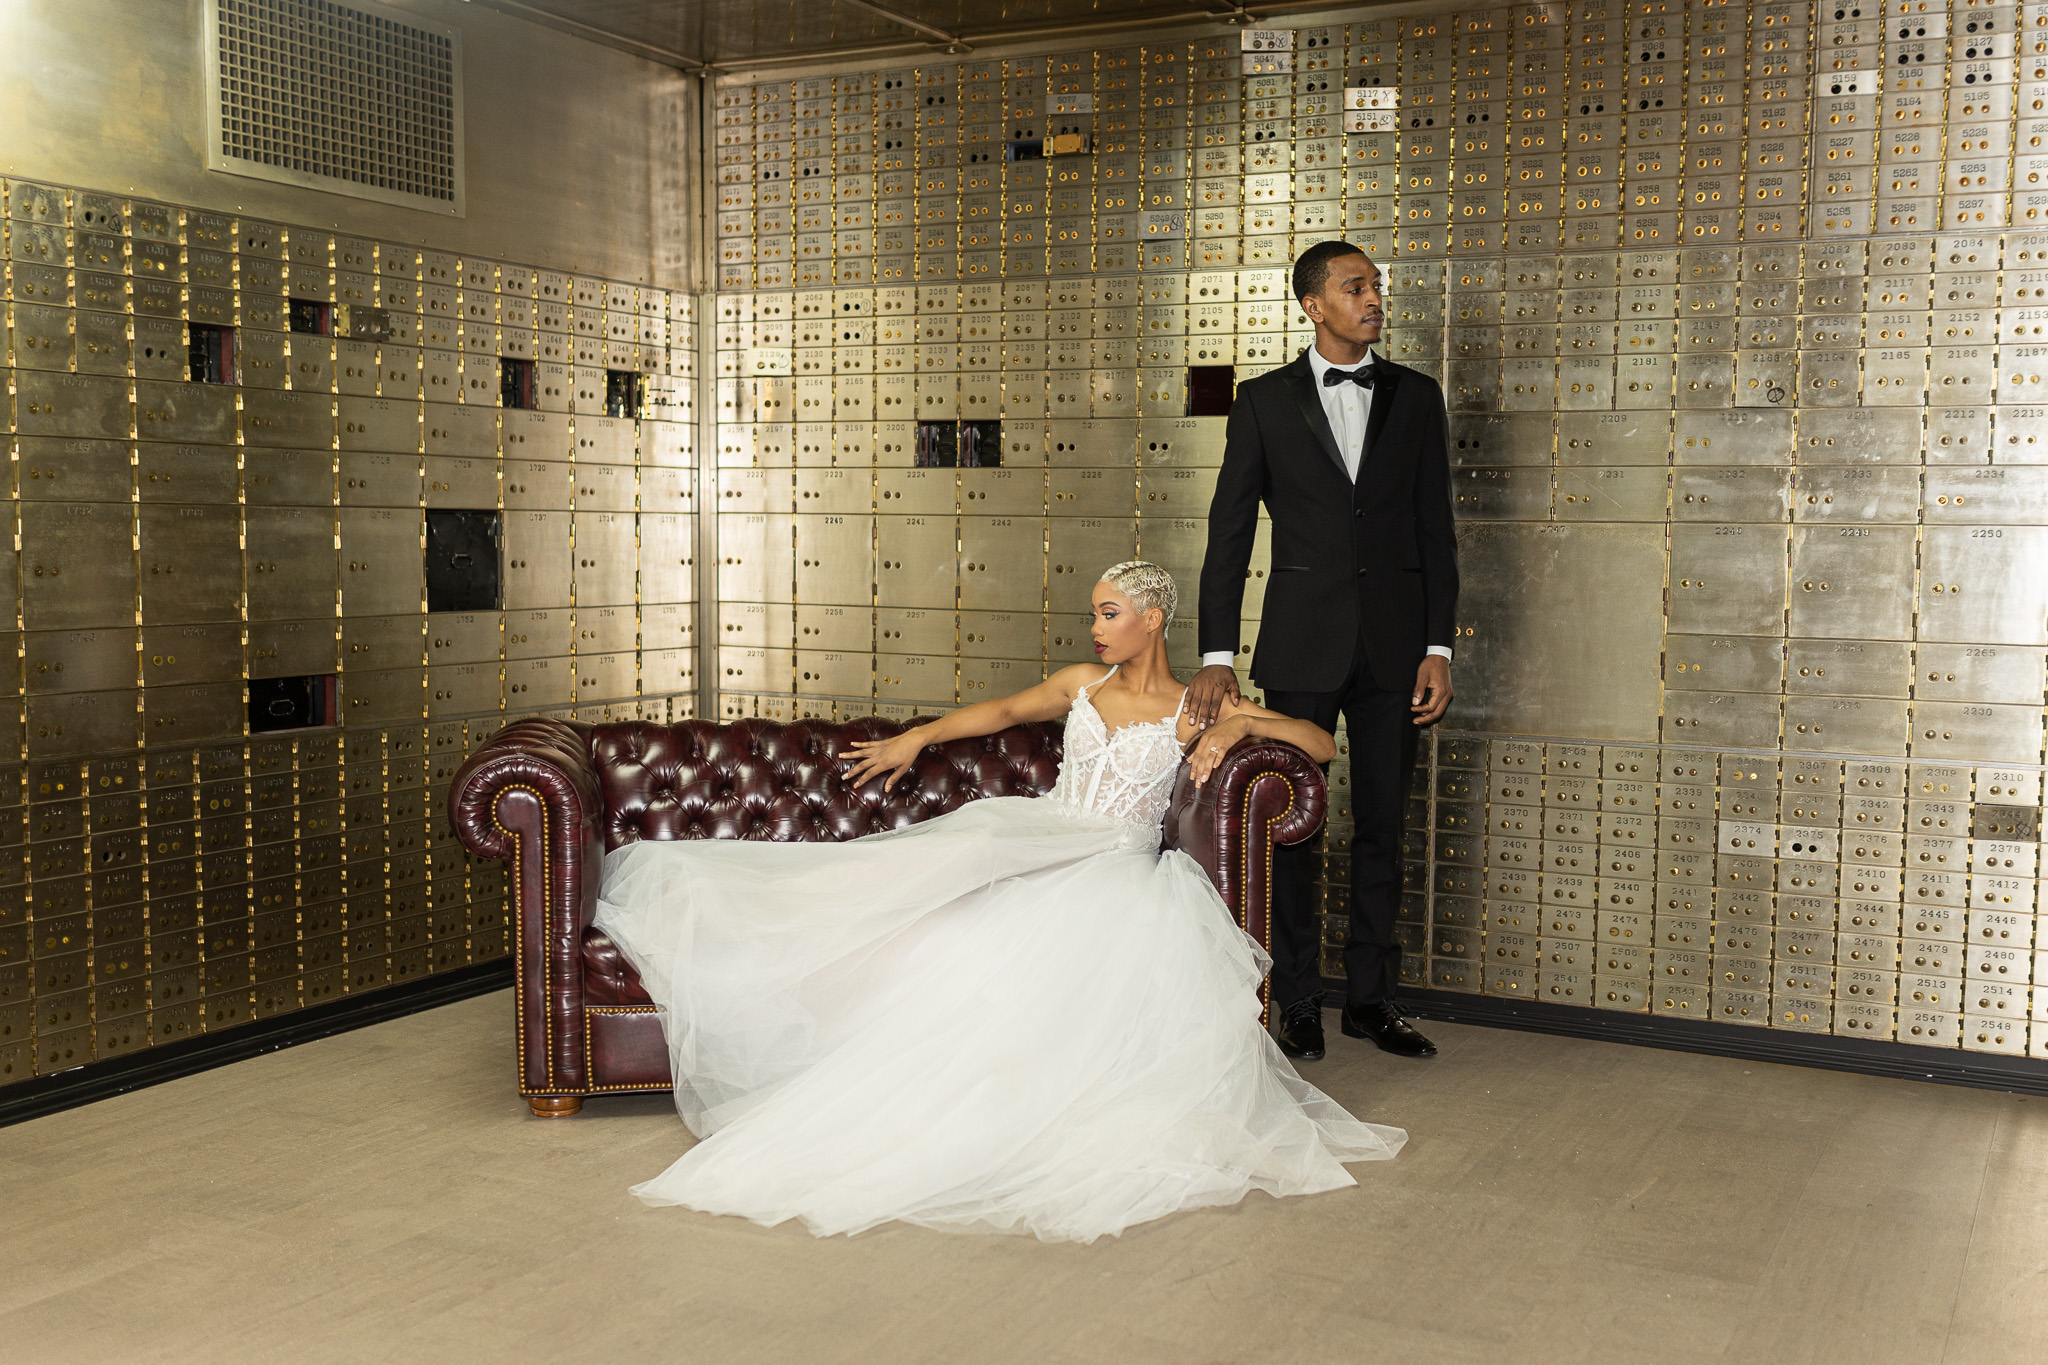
x,y
1017,1017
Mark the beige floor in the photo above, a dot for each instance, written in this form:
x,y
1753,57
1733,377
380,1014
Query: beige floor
x,y
383,1196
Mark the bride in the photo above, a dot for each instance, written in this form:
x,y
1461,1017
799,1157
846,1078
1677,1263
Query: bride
x,y
1020,1016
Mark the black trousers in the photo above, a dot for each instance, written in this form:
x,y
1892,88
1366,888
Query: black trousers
x,y
1383,738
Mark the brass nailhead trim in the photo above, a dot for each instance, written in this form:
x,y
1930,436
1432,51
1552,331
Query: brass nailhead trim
x,y
589,1070
1244,886
518,954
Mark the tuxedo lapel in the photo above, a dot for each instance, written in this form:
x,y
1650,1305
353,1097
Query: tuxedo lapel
x,y
1303,378
1386,386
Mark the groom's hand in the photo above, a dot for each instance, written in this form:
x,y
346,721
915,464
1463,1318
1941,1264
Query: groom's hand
x,y
1432,689
1212,687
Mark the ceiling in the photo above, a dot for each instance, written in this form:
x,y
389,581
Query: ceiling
x,y
748,34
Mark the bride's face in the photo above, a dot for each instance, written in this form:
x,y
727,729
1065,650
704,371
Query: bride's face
x,y
1121,631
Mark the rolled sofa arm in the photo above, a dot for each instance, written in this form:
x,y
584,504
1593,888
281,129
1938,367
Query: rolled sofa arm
x,y
530,796
1264,792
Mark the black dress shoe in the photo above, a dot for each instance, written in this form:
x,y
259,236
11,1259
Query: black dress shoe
x,y
1301,1030
1381,1021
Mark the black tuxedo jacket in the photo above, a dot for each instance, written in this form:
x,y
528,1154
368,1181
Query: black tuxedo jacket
x,y
1370,564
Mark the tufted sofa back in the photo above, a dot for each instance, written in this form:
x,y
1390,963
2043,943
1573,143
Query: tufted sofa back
x,y
757,779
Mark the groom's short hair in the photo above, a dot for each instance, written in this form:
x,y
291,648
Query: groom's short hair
x,y
1312,268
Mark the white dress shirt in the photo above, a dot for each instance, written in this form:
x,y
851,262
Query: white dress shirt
x,y
1348,406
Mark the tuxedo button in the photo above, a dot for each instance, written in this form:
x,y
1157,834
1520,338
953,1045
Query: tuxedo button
x,y
1358,511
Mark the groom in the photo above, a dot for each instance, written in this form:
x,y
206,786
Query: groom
x,y
1347,451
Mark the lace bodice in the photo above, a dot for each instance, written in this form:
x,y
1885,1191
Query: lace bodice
x,y
1127,775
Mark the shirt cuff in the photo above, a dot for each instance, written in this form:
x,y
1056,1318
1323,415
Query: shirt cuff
x,y
1225,657
1441,651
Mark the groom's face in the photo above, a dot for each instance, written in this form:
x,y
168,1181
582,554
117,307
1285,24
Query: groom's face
x,y
1348,305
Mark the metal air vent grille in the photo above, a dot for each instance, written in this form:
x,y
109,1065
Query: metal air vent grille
x,y
351,99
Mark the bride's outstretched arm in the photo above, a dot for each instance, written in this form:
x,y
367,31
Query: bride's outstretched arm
x,y
1049,700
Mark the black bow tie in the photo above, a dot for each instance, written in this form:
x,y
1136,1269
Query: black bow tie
x,y
1362,376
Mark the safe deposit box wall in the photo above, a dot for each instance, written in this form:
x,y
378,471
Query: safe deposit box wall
x,y
234,438
188,544
1742,316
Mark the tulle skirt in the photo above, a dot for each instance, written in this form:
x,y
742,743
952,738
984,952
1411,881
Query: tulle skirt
x,y
1004,1019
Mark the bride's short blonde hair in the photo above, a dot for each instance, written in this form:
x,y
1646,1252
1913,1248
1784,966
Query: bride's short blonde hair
x,y
1146,584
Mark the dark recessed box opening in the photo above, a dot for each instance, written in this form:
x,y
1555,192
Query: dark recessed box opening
x,y
296,703
211,350
938,445
622,394
1024,149
981,445
311,316
1211,389
515,382
462,560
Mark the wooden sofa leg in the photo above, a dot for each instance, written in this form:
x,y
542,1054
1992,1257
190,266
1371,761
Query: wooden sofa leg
x,y
554,1106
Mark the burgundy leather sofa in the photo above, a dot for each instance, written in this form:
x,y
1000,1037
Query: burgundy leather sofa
x,y
551,797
